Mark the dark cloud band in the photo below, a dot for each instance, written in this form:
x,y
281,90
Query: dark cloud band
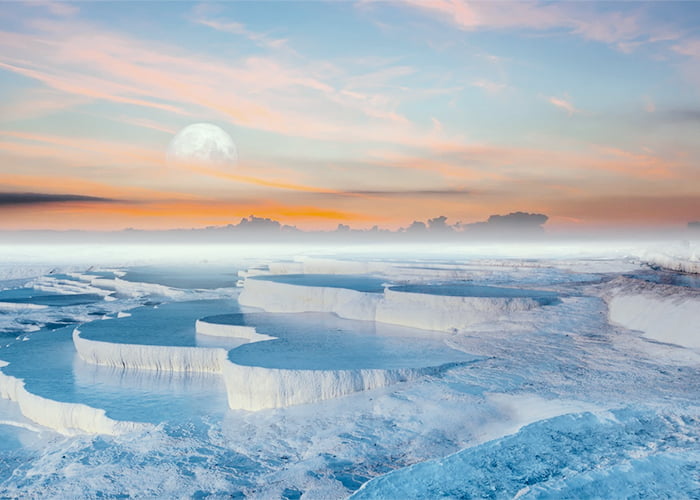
x,y
12,199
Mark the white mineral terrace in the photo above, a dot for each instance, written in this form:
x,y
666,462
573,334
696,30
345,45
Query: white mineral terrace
x,y
66,418
248,387
445,313
665,313
662,312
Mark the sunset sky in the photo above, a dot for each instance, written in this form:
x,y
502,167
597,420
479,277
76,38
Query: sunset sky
x,y
359,113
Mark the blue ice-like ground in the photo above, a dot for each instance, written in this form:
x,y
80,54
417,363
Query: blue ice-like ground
x,y
624,454
329,450
27,294
56,300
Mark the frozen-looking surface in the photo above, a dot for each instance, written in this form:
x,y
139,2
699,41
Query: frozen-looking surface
x,y
322,341
122,395
149,357
64,417
684,257
621,454
662,277
161,338
566,371
306,358
312,357
281,297
666,313
455,307
446,307
253,388
296,359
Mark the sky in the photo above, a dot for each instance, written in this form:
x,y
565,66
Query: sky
x,y
359,113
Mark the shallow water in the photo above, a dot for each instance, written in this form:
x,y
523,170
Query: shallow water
x,y
169,324
358,283
470,290
130,395
196,276
54,300
318,341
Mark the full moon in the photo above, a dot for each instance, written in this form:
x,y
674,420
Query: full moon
x,y
202,143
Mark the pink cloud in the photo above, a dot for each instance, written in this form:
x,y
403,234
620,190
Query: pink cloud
x,y
236,28
564,104
79,151
88,87
56,8
688,48
624,30
33,103
257,92
82,152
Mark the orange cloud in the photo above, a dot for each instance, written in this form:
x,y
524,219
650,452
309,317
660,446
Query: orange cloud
x,y
168,215
81,151
121,152
261,182
631,209
32,103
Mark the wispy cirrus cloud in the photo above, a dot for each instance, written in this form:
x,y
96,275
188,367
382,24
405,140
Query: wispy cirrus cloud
x,y
625,30
258,92
688,47
564,103
354,137
88,87
236,28
82,152
488,168
79,151
146,123
38,102
54,7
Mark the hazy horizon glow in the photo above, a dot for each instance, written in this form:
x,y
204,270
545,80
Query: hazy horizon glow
x,y
358,113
